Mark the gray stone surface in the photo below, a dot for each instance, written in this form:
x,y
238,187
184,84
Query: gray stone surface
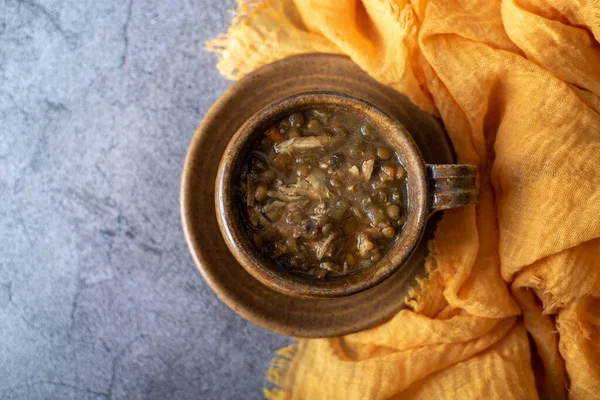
x,y
99,298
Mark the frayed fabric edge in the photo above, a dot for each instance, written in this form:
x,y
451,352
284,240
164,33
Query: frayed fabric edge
x,y
551,302
417,293
243,13
277,372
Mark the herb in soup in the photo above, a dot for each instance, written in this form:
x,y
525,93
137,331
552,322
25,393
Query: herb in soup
x,y
323,194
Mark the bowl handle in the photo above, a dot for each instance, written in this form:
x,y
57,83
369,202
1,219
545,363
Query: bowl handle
x,y
451,185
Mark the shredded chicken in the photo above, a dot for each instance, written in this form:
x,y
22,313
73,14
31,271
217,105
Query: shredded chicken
x,y
324,247
364,244
320,214
284,230
317,181
284,197
345,270
303,143
314,187
276,205
295,190
329,266
320,210
367,169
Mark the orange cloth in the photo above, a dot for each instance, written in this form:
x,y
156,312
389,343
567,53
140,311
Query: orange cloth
x,y
517,84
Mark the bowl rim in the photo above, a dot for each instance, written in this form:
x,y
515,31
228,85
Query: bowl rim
x,y
275,277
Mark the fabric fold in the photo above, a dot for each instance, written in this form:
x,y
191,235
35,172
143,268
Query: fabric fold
x,y
510,306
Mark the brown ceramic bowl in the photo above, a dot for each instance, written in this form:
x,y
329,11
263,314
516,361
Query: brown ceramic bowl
x,y
430,188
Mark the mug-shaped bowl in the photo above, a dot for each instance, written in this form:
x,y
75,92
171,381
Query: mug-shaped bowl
x,y
429,188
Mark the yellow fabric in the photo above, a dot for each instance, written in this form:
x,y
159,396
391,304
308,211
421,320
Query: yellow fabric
x,y
517,85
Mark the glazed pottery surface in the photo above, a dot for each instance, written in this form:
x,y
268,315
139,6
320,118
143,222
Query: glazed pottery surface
x,y
425,195
269,308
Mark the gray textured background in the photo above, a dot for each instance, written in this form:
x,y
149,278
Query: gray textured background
x,y
99,297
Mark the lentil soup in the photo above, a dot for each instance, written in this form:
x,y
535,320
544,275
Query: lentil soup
x,y
322,194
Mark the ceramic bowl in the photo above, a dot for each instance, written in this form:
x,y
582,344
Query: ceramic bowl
x,y
430,188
